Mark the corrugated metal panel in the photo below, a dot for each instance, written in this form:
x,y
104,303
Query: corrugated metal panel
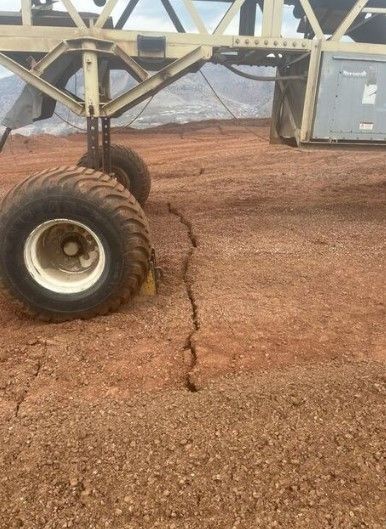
x,y
351,102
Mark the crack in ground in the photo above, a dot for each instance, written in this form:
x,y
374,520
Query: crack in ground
x,y
190,341
34,376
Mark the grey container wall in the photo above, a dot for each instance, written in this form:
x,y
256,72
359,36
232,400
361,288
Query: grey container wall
x,y
351,104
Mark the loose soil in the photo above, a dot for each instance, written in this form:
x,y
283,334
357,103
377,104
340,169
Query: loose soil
x,y
250,393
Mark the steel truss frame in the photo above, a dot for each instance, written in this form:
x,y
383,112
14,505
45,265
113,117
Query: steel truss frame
x,y
182,51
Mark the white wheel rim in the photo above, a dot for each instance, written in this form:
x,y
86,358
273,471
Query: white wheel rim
x,y
64,256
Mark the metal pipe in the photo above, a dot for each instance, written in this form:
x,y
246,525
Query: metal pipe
x,y
4,138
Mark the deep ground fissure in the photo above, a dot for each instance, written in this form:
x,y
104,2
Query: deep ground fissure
x,y
190,344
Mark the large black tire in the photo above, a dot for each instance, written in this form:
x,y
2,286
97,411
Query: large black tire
x,y
129,169
66,205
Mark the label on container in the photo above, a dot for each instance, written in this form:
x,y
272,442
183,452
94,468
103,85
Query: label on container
x,y
370,94
355,75
366,126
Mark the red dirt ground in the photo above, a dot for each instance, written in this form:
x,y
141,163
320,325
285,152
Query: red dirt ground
x,y
273,294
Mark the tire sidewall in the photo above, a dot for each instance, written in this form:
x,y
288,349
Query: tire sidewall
x,y
134,175
136,178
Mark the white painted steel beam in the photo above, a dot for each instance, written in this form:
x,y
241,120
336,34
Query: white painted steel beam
x,y
107,10
37,39
34,80
156,81
91,81
272,18
228,17
72,11
26,12
138,72
312,19
198,22
348,21
51,57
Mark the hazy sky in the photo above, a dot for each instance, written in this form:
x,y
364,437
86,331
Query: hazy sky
x,y
149,14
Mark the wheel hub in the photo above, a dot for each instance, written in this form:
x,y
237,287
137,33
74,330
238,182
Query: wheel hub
x,y
71,248
64,256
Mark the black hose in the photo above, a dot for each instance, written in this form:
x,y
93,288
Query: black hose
x,y
271,79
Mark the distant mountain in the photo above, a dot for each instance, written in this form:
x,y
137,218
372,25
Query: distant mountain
x,y
188,99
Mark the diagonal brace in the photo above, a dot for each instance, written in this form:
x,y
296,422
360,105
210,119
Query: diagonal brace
x,y
50,58
173,16
350,18
191,8
107,10
228,17
34,80
153,84
136,70
72,11
312,19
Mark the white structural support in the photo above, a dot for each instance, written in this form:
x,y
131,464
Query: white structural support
x,y
91,80
26,12
350,18
311,91
51,57
74,13
272,18
312,19
375,10
153,83
192,10
107,10
229,16
34,80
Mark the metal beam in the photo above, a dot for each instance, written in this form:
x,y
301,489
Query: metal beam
x,y
173,16
312,19
26,12
51,57
311,91
34,80
272,18
107,10
139,73
72,11
40,39
287,105
191,8
156,82
350,18
228,17
375,10
126,13
91,81
248,18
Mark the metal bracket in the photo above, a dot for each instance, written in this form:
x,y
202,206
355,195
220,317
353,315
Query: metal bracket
x,y
106,145
150,45
151,285
4,138
93,143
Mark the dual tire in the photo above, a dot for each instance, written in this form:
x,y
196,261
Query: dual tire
x,y
129,169
74,243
